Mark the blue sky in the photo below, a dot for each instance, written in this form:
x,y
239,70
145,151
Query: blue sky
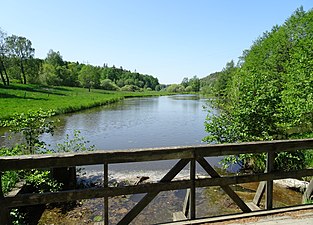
x,y
169,39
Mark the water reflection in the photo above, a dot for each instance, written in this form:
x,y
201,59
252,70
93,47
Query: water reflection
x,y
138,123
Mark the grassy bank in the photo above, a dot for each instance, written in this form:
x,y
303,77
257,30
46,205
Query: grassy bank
x,y
18,98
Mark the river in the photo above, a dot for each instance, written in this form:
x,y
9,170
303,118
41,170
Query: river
x,y
142,123
138,123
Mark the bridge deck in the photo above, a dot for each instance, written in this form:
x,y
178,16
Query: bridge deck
x,y
298,215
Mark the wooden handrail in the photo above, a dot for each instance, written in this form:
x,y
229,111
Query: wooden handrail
x,y
186,155
149,154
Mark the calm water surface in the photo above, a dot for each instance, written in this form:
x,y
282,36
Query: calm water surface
x,y
139,123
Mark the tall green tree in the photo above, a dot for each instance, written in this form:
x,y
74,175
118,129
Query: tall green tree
x,y
54,58
194,83
20,48
270,94
185,82
3,56
89,77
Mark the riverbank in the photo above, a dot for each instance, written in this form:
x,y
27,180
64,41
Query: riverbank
x,y
20,98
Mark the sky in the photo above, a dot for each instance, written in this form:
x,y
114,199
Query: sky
x,y
168,39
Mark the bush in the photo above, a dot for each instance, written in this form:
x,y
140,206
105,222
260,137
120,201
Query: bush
x,y
31,125
107,84
131,88
178,88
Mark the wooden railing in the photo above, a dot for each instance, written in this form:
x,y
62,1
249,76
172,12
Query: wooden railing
x,y
186,155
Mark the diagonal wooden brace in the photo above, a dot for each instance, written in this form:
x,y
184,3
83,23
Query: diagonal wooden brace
x,y
209,169
151,195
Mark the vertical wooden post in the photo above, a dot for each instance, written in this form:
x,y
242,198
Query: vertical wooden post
x,y
269,184
105,200
192,209
4,211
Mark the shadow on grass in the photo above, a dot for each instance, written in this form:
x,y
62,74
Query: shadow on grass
x,y
39,89
5,95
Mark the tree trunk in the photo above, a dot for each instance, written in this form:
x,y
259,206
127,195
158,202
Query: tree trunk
x,y
23,71
2,69
2,77
5,72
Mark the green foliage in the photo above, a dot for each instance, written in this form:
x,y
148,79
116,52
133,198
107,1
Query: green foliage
x,y
284,161
269,94
130,88
89,77
31,125
107,84
17,218
75,144
17,63
175,88
10,178
192,84
21,49
41,181
18,98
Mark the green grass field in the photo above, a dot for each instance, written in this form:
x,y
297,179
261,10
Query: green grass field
x,y
18,98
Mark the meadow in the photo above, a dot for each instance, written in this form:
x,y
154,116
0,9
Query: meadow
x,y
20,98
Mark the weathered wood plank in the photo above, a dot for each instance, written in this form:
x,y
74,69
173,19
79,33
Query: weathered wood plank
x,y
192,205
253,206
269,183
186,203
4,216
151,195
63,196
4,211
259,193
239,179
105,199
207,167
178,216
213,220
92,158
139,155
185,153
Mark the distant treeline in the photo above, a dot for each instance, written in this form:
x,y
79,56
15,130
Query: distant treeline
x,y
17,63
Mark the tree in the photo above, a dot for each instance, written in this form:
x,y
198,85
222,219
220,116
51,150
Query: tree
x,y
185,82
270,95
89,77
49,75
74,69
107,84
3,53
175,88
195,84
33,69
54,58
21,48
